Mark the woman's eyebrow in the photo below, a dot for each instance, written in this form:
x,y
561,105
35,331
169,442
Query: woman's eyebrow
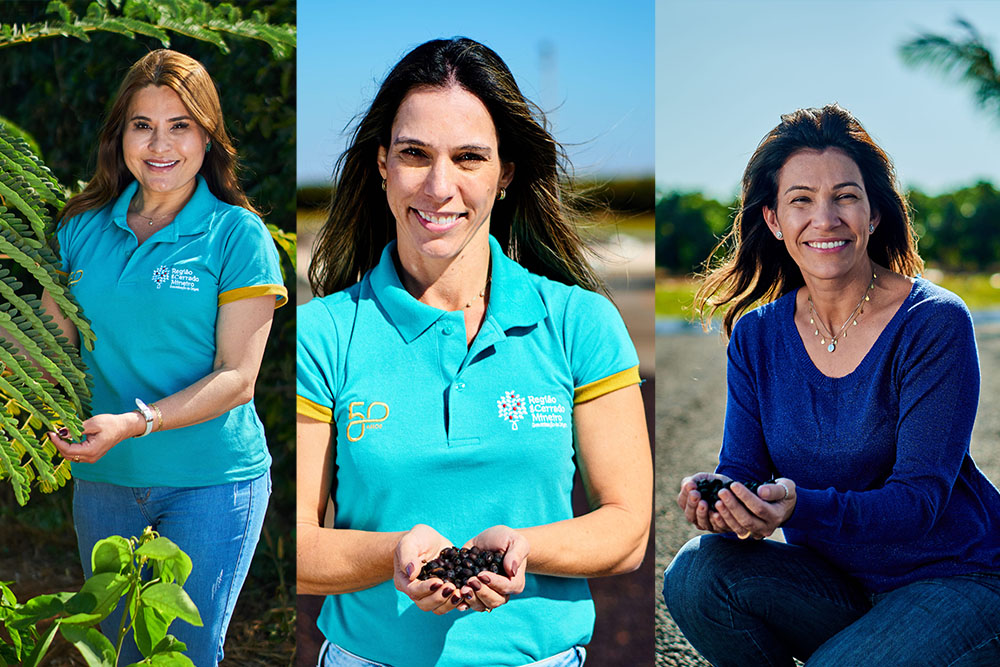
x,y
169,120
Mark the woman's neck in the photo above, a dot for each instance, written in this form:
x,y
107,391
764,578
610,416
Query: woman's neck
x,y
456,283
835,301
151,204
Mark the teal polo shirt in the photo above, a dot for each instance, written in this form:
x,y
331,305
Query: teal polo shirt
x,y
428,430
153,308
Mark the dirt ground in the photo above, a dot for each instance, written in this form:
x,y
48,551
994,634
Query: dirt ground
x,y
690,406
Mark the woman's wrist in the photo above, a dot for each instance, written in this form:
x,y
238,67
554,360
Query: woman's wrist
x,y
136,424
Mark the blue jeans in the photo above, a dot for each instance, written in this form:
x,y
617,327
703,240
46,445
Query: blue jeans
x,y
763,603
331,655
217,526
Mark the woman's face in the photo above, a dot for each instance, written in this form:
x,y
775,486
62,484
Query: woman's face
x,y
162,144
823,213
442,170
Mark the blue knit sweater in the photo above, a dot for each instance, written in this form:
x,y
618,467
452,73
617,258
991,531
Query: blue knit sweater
x,y
887,489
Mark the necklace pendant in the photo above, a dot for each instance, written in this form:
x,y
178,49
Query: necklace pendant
x,y
822,341
831,347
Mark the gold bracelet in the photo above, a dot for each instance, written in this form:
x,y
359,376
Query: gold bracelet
x,y
159,416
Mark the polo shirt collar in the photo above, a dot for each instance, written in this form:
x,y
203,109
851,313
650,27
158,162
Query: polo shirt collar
x,y
196,216
514,302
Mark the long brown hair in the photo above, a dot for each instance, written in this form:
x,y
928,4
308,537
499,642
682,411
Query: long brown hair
x,y
535,223
188,78
755,266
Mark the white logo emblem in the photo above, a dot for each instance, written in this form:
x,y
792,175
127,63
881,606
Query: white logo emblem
x,y
182,279
511,407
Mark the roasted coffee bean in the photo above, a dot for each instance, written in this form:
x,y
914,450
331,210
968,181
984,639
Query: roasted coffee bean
x,y
709,489
457,566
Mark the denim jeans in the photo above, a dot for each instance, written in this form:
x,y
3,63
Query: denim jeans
x,y
331,655
763,603
217,526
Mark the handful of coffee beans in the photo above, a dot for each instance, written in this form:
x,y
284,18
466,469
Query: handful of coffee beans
x,y
709,489
457,566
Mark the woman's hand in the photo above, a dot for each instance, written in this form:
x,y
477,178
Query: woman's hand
x,y
417,546
103,432
696,511
488,590
757,515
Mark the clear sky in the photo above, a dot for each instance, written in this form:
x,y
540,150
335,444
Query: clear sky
x,y
597,76
726,71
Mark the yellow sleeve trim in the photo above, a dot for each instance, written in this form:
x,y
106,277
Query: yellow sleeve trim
x,y
61,273
255,290
606,385
313,410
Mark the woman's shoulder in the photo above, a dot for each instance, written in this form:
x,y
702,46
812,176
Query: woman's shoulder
x,y
765,319
929,305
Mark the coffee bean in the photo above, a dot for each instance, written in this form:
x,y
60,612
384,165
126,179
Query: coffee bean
x,y
457,566
709,489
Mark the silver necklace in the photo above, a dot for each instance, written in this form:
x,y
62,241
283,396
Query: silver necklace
x,y
482,292
852,320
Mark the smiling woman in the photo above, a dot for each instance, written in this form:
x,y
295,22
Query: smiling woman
x,y
851,398
179,278
458,369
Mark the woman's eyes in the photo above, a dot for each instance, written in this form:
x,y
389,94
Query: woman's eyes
x,y
467,157
143,125
846,196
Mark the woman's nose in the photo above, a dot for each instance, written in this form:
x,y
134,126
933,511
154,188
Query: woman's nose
x,y
158,141
440,181
826,216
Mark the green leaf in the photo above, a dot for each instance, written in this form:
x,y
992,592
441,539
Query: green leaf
x,y
96,649
159,548
112,554
42,647
150,629
97,598
169,644
38,609
171,601
171,659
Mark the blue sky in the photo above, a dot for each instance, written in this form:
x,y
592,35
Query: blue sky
x,y
599,79
726,71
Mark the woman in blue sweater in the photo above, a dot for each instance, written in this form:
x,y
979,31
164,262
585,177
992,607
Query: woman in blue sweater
x,y
853,392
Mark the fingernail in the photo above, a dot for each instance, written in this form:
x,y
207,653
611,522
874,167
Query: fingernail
x,y
447,591
485,578
409,569
474,585
456,599
434,587
468,596
513,568
63,432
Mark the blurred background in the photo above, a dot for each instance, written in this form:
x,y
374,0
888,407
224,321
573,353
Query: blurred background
x,y
57,90
920,76
591,70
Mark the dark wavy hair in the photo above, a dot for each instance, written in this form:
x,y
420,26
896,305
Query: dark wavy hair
x,y
190,80
755,266
535,223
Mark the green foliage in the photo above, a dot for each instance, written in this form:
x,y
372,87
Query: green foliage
x,y
688,227
153,18
51,395
966,57
154,596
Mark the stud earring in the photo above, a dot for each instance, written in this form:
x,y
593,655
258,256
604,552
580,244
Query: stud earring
x,y
208,146
502,194
779,235
871,228
383,185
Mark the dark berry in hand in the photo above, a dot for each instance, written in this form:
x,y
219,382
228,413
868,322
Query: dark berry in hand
x,y
457,566
709,489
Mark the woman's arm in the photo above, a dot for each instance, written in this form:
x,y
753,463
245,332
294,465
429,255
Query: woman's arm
x,y
241,334
63,322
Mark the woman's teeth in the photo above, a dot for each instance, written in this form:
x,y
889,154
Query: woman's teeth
x,y
439,219
826,245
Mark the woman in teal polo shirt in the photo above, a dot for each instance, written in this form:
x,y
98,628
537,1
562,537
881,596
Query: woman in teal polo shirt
x,y
179,278
459,362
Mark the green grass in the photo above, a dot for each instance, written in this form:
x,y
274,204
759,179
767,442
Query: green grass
x,y
675,295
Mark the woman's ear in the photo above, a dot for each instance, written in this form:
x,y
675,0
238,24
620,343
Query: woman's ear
x,y
771,220
506,174
382,155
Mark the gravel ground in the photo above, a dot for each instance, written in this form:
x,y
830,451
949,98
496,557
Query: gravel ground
x,y
690,406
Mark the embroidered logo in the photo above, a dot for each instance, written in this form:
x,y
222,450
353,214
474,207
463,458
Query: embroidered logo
x,y
182,279
511,407
160,275
361,421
